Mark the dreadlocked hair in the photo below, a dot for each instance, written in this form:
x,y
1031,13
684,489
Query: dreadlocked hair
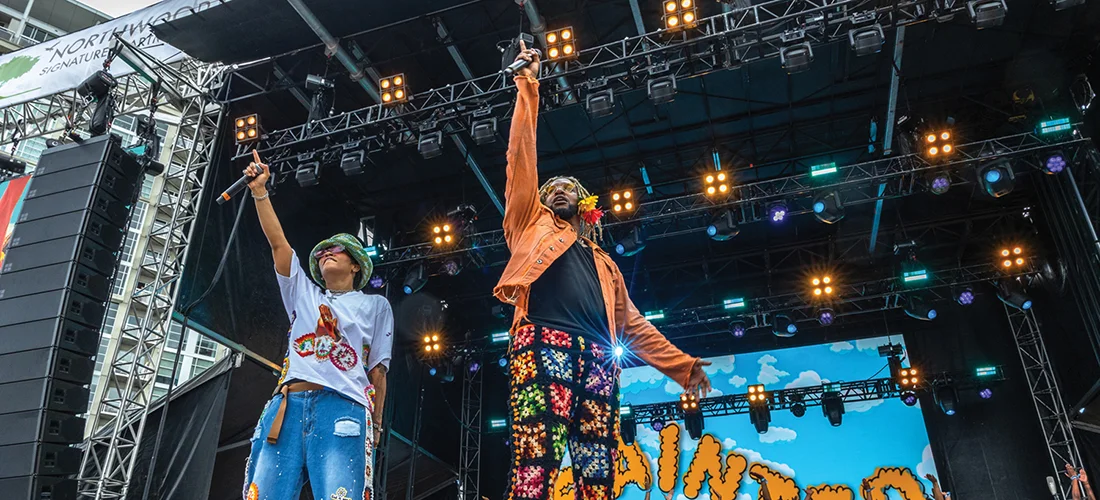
x,y
593,232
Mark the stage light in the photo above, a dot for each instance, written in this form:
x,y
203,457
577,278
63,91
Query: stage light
x,y
351,162
716,185
502,363
600,103
987,13
1011,292
997,178
623,202
497,425
433,371
432,344
986,393
737,303
777,212
783,326
415,279
1054,162
618,351
947,399
965,297
796,58
823,169
376,282
308,172
940,183
500,337
917,308
832,406
472,366
444,234
628,426
430,144
723,227
825,316
561,44
1065,4
798,408
828,207
939,146
693,414
661,89
823,287
759,408
247,128
909,398
484,131
1012,258
632,245
908,378
452,266
986,371
654,315
737,329
394,90
866,40
1055,126
680,15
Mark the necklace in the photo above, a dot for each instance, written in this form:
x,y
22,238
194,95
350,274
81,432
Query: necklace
x,y
338,293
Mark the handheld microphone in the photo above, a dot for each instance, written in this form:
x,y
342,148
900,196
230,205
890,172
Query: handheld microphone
x,y
234,189
520,63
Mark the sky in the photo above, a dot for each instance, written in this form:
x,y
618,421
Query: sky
x,y
116,8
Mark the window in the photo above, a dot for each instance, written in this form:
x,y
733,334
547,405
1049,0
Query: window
x,y
206,347
200,365
137,219
147,186
174,330
164,373
119,285
109,319
31,149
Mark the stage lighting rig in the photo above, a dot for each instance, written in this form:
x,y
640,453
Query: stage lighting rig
x,y
351,161
947,399
939,182
561,44
997,178
1053,162
415,279
432,345
939,144
823,169
11,167
1012,258
600,102
760,412
430,144
628,426
394,90
866,40
825,316
987,13
723,227
633,244
965,297
693,415
1082,94
1054,126
832,405
662,89
909,398
309,170
783,326
917,308
828,207
623,202
716,185
798,408
484,131
443,235
321,102
823,287
246,129
796,58
680,15
98,88
1011,292
737,328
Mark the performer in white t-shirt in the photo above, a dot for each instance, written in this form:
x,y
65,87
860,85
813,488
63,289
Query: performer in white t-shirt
x,y
326,414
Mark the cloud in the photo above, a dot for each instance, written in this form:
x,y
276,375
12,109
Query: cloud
x,y
738,381
927,464
729,444
744,496
778,434
702,496
721,364
841,347
808,378
769,374
644,375
648,437
714,393
754,456
673,388
862,406
869,344
687,445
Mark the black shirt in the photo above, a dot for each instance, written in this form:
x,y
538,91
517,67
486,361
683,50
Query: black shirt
x,y
568,297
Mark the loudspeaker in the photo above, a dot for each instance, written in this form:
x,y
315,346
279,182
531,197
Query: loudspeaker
x,y
86,223
86,252
75,200
69,275
58,303
49,362
51,332
48,459
39,425
57,396
39,488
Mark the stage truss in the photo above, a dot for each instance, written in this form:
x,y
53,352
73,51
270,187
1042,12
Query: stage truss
x,y
112,449
469,453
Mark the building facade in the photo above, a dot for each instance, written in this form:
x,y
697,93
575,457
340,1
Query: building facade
x,y
27,22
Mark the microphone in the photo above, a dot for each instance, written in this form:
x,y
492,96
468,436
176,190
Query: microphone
x,y
520,63
234,189
1052,486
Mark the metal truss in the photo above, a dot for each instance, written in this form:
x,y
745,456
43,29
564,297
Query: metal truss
x,y
469,453
856,184
112,450
1057,430
722,41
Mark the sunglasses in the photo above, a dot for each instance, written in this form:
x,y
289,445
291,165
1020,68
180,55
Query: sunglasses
x,y
564,185
335,249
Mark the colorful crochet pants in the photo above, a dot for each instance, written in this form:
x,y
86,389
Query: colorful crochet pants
x,y
563,392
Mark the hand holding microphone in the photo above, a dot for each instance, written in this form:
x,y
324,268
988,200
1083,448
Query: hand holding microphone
x,y
527,62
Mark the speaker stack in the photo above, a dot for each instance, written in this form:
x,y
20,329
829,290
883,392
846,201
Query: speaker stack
x,y
55,284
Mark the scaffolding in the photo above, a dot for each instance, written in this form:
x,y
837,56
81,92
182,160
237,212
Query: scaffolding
x,y
469,456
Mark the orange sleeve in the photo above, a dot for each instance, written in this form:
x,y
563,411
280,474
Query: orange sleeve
x,y
521,197
642,339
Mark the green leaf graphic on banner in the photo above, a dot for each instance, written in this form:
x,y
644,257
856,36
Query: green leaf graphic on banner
x,y
15,68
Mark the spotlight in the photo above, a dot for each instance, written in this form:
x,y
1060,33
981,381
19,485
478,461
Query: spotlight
x,y
823,287
1055,126
309,170
500,338
1011,292
828,208
1012,258
939,183
618,351
502,363
657,426
444,235
415,279
484,131
633,244
716,185
448,373
628,426
723,227
497,425
246,129
680,15
939,144
561,44
947,399
965,297
917,308
832,406
909,398
987,13
866,40
760,413
451,267
661,89
823,169
376,281
472,366
997,178
737,329
777,212
825,316
986,393
693,415
394,90
1054,162
798,408
908,378
433,346
783,326
352,161
430,144
796,58
624,202
600,103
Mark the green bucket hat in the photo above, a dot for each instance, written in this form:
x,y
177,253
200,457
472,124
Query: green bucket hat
x,y
354,248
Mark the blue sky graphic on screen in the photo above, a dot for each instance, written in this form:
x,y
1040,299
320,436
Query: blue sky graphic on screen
x,y
875,434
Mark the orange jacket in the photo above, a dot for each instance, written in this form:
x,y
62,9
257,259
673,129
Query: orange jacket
x,y
536,237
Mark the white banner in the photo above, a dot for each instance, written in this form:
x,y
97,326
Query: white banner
x,y
61,64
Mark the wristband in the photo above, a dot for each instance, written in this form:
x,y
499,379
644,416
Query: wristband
x,y
261,198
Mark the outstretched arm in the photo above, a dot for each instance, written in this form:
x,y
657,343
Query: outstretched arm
x,y
280,248
521,197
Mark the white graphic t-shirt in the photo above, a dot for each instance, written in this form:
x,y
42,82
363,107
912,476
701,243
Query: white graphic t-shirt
x,y
335,339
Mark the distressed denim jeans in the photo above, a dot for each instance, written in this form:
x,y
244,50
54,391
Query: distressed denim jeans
x,y
326,438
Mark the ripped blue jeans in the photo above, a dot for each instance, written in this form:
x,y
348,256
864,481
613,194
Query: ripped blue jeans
x,y
326,438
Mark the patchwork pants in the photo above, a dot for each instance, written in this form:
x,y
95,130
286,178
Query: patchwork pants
x,y
563,391
326,438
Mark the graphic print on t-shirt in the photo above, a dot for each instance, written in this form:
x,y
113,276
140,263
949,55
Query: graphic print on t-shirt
x,y
326,343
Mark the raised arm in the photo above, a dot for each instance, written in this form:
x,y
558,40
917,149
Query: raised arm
x,y
280,248
521,197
